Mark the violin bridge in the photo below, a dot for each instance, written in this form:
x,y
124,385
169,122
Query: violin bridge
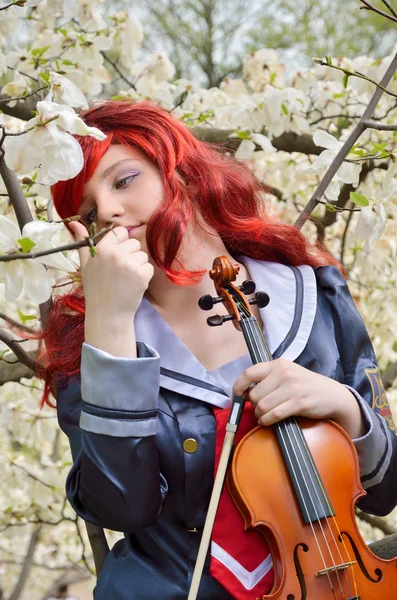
x,y
334,568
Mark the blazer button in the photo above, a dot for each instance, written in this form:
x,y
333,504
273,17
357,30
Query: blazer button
x,y
190,445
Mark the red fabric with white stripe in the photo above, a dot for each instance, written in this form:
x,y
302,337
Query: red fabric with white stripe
x,y
244,552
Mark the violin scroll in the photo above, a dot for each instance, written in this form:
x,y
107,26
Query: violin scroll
x,y
223,273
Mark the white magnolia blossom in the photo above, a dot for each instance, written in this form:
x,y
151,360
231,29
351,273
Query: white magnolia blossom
x,y
49,144
150,77
263,67
373,218
3,63
247,147
30,274
63,91
17,87
128,37
347,172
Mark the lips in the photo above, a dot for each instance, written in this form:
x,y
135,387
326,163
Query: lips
x,y
131,229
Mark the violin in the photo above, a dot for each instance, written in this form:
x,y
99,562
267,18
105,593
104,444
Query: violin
x,y
317,550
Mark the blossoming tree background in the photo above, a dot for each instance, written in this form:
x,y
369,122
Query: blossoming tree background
x,y
325,133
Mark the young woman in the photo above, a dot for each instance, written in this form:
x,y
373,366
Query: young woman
x,y
139,373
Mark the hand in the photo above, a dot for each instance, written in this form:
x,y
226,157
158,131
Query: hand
x,y
116,277
285,389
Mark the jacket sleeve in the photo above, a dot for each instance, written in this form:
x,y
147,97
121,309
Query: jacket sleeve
x,y
377,449
110,415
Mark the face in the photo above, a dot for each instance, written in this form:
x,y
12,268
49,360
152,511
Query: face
x,y
125,189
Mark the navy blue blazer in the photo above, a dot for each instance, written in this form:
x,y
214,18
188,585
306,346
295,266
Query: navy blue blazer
x,y
127,419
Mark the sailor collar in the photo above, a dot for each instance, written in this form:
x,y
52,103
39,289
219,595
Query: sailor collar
x,y
288,320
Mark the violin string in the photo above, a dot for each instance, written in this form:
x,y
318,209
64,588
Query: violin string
x,y
257,342
333,516
252,333
297,431
323,492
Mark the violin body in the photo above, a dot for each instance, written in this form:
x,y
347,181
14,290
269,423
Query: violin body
x,y
325,558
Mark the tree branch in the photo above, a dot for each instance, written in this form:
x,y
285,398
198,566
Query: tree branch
x,y
21,355
17,591
389,6
369,6
343,152
379,126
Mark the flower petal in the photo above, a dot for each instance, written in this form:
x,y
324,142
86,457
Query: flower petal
x,y
365,224
67,119
36,281
324,160
245,150
56,260
9,233
263,141
350,173
326,140
13,279
62,156
64,91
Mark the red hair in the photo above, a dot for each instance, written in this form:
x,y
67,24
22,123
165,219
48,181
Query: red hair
x,y
216,189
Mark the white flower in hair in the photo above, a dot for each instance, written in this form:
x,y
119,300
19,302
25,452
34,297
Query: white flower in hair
x,y
48,144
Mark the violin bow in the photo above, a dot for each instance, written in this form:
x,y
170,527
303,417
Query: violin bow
x,y
223,273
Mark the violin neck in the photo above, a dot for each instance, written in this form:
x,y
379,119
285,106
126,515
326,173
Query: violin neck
x,y
305,478
255,340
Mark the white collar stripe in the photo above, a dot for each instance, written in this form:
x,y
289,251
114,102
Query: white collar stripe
x,y
249,579
288,320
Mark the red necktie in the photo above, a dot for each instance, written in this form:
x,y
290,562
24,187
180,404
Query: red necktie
x,y
240,560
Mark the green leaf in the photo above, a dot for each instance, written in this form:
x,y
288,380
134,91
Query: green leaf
x,y
45,76
330,207
273,76
284,109
67,62
25,318
93,251
361,152
395,347
328,60
243,134
37,52
3,352
345,80
359,199
26,244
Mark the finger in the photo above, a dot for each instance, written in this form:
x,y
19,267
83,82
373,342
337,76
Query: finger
x,y
278,413
117,235
251,375
264,388
80,233
268,403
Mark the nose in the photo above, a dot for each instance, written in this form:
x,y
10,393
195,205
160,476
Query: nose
x,y
109,210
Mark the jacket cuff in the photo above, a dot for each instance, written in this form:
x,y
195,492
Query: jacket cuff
x,y
374,448
120,395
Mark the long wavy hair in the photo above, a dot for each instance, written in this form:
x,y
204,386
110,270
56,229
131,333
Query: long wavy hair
x,y
200,180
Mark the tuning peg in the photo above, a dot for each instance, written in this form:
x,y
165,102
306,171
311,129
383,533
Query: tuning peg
x,y
217,320
207,302
247,287
261,299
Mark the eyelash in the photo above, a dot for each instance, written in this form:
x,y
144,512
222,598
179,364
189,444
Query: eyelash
x,y
128,178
